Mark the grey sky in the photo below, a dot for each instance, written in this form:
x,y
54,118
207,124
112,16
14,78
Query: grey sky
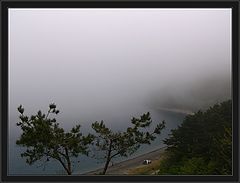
x,y
97,61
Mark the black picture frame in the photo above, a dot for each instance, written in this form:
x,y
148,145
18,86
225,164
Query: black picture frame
x,y
5,5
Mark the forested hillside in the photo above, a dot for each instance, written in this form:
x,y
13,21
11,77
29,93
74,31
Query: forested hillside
x,y
202,144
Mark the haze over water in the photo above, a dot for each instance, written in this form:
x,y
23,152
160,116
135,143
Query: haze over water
x,y
113,64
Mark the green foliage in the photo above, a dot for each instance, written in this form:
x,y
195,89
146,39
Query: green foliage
x,y
202,144
45,140
115,144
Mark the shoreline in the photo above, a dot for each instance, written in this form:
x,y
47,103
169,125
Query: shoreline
x,y
123,167
181,111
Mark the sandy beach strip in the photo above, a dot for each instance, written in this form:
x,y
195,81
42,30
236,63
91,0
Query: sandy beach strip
x,y
123,167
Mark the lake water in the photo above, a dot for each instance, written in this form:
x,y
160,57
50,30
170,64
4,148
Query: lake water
x,y
83,164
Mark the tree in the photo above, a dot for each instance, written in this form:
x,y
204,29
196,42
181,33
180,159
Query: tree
x,y
45,140
123,144
202,144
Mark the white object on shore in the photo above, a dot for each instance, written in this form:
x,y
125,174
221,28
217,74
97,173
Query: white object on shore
x,y
146,161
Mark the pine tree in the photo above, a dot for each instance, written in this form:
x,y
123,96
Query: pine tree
x,y
45,140
122,144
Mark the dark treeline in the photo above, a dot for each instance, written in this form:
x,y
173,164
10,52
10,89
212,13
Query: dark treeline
x,y
202,144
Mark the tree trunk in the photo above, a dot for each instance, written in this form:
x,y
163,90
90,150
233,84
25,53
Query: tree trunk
x,y
106,166
65,167
69,172
68,161
108,158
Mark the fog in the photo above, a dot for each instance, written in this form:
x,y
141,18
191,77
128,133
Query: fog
x,y
96,63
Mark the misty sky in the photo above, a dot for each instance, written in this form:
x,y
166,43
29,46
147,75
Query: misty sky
x,y
99,61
